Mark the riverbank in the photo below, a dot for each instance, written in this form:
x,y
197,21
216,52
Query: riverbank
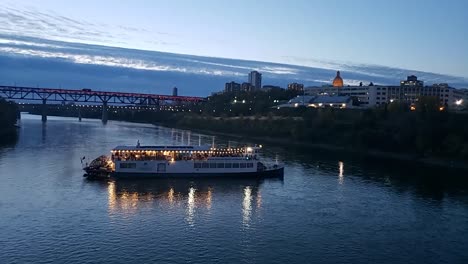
x,y
434,139
374,154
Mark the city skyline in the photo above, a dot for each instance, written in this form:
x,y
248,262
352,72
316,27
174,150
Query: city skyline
x,y
318,34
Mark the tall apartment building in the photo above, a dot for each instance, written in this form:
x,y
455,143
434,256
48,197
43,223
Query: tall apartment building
x,y
255,79
232,87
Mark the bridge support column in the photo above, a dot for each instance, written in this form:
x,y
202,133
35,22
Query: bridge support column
x,y
44,110
105,114
18,115
79,113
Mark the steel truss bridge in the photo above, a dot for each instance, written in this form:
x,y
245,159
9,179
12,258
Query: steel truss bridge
x,y
87,96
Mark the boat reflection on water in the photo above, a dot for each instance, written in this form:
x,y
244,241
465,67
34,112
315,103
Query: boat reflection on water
x,y
130,196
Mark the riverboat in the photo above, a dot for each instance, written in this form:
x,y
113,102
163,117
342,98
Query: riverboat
x,y
185,161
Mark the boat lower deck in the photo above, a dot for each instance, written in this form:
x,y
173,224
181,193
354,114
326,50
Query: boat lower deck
x,y
279,172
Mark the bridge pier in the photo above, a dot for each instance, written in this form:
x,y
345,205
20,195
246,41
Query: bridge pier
x,y
44,110
79,113
105,114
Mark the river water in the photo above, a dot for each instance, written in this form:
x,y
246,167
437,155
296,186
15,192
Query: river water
x,y
329,208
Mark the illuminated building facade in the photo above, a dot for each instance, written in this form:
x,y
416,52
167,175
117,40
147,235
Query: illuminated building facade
x,y
409,91
298,87
338,81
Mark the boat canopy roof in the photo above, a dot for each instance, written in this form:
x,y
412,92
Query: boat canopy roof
x,y
161,148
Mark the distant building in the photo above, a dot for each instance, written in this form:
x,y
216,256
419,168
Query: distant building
x,y
409,92
270,87
319,101
255,79
412,81
232,87
375,95
174,91
247,87
448,96
298,87
338,81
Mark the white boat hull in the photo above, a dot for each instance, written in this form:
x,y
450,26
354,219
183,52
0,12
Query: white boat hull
x,y
190,168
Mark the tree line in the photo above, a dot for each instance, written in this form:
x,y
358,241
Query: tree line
x,y
8,115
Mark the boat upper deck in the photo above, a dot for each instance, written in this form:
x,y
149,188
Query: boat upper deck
x,y
182,149
125,153
161,148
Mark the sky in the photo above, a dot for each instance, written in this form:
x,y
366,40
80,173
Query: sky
x,y
425,35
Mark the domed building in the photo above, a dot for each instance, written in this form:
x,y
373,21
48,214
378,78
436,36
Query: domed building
x,y
338,81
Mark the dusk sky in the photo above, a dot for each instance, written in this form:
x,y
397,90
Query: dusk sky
x,y
426,35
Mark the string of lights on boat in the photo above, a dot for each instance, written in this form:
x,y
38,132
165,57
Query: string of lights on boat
x,y
210,151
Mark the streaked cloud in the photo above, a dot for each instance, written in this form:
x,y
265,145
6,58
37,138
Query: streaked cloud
x,y
111,61
35,23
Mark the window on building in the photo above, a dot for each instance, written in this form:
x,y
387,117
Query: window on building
x,y
249,165
243,165
205,165
197,165
228,165
235,165
220,166
212,165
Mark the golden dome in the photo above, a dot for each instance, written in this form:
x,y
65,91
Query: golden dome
x,y
338,81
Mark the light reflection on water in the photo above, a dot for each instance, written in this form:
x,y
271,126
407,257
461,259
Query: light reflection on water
x,y
191,206
127,197
247,206
341,172
372,212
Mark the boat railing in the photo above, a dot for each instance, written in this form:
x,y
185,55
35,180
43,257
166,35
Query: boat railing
x,y
197,157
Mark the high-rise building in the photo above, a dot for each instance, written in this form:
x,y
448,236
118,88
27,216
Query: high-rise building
x,y
174,91
255,79
232,87
299,87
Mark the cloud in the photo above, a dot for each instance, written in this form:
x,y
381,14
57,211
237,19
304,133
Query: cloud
x,y
112,61
34,23
34,46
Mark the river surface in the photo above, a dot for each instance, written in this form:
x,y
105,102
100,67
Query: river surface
x,y
329,208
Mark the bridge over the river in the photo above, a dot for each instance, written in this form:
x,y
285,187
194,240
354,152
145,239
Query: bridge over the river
x,y
88,96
